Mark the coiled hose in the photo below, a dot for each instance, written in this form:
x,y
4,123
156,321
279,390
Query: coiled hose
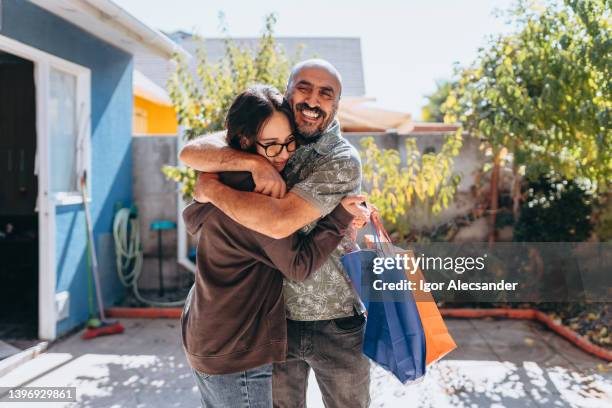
x,y
128,255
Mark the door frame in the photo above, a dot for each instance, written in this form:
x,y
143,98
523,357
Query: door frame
x,y
47,202
182,246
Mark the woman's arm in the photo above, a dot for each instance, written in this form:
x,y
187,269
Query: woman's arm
x,y
296,256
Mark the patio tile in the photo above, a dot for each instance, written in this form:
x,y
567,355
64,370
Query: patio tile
x,y
145,367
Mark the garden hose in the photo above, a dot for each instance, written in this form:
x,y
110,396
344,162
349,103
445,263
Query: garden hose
x,y
128,255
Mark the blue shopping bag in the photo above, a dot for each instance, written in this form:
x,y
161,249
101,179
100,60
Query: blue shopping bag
x,y
394,336
358,266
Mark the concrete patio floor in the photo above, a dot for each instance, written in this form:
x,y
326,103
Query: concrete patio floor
x,y
499,363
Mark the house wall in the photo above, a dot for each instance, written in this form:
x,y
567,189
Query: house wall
x,y
155,197
153,119
111,115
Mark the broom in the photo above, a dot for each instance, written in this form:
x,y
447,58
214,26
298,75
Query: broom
x,y
95,327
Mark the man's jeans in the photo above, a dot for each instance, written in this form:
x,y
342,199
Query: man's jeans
x,y
246,389
333,349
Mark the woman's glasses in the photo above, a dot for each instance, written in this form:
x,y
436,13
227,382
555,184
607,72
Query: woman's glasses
x,y
274,149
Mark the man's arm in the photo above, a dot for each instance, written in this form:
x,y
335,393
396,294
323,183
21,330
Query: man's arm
x,y
309,200
210,154
275,217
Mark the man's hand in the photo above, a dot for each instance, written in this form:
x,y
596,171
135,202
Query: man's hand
x,y
267,179
354,205
199,193
359,223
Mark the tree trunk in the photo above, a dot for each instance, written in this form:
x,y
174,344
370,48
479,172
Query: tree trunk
x,y
516,192
494,202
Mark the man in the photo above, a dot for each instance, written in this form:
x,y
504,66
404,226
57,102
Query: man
x,y
325,320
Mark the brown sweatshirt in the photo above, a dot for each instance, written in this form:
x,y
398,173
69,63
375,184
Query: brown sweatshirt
x,y
234,317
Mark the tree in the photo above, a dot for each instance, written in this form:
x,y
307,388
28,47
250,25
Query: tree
x,y
432,112
544,95
425,184
202,100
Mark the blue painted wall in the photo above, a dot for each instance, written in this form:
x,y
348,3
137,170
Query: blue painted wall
x,y
111,124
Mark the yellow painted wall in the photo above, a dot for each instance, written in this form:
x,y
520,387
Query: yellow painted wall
x,y
153,119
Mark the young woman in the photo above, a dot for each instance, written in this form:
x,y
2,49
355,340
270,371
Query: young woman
x,y
233,323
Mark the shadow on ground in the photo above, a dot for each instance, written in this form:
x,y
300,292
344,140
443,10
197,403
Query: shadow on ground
x,y
499,363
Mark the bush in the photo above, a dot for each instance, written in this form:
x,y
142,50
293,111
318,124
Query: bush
x,y
424,186
555,211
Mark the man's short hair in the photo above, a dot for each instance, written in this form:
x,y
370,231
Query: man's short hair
x,y
314,63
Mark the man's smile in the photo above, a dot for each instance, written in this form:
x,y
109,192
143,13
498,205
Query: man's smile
x,y
310,115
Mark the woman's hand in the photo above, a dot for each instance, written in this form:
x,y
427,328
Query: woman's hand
x,y
354,205
199,192
267,179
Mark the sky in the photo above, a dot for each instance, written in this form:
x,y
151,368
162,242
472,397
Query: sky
x,y
406,45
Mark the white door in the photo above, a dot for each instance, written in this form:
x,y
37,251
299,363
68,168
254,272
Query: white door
x,y
63,100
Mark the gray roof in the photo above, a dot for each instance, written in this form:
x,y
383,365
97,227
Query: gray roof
x,y
344,53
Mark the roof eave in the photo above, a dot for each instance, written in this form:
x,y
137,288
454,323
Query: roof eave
x,y
114,25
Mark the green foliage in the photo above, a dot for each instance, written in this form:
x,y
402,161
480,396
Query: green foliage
x,y
544,92
603,226
426,183
185,177
202,100
555,211
432,112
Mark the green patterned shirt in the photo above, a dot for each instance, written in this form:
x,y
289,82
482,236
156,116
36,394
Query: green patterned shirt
x,y
323,173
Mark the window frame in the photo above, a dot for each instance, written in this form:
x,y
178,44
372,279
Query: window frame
x,y
83,125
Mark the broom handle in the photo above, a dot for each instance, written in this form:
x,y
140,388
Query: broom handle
x,y
92,248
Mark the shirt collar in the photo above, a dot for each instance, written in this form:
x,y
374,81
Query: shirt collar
x,y
328,139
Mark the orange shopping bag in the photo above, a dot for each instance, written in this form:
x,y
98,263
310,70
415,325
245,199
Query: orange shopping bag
x,y
438,341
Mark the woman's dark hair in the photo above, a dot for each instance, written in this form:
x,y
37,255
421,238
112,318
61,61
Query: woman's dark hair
x,y
250,111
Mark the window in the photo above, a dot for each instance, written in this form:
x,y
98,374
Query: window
x,y
63,135
68,101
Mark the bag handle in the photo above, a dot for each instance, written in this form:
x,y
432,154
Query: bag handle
x,y
381,237
379,228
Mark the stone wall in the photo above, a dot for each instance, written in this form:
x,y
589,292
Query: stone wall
x,y
467,164
155,198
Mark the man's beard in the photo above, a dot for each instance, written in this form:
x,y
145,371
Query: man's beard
x,y
309,134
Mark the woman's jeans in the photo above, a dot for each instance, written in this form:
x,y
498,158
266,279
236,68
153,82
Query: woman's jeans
x,y
247,389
